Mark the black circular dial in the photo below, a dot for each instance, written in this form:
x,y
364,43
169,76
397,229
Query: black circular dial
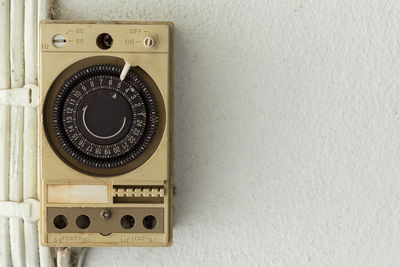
x,y
102,121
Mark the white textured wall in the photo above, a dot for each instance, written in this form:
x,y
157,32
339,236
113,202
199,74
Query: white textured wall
x,y
287,132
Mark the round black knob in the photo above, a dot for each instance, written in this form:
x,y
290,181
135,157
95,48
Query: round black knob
x,y
100,121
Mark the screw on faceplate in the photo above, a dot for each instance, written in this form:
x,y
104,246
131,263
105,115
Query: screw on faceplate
x,y
105,214
59,40
149,42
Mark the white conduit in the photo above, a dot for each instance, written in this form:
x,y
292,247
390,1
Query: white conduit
x,y
5,251
19,208
17,123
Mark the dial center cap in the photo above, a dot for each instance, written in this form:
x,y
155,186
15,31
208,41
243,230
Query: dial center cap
x,y
104,116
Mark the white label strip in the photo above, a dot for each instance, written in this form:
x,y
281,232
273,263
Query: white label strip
x,y
73,194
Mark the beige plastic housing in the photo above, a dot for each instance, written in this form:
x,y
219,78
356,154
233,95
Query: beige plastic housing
x,y
146,190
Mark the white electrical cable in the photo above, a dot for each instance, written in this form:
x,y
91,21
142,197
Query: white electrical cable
x,y
81,257
16,224
5,250
17,124
59,258
5,44
64,257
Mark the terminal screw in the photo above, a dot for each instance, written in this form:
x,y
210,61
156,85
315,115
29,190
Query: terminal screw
x,y
149,42
105,214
